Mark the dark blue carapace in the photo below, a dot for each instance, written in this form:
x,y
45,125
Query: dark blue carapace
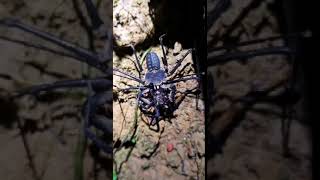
x,y
155,75
153,61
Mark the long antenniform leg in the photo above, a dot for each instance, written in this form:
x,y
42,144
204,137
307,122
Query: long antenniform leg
x,y
178,64
219,8
305,34
82,54
38,46
164,59
182,79
127,75
218,59
104,31
101,83
137,63
96,21
131,88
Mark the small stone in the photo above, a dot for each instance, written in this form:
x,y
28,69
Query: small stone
x,y
191,153
170,147
173,160
186,168
199,142
145,166
181,149
177,48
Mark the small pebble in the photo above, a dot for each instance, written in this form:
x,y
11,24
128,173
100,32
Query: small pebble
x,y
177,48
169,147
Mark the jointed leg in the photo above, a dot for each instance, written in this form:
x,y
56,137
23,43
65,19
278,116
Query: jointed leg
x,y
178,64
137,64
104,31
89,114
143,102
172,94
127,75
155,119
179,100
131,88
256,41
180,72
189,75
38,46
96,21
101,98
182,79
285,129
100,122
217,59
220,7
164,59
99,143
200,75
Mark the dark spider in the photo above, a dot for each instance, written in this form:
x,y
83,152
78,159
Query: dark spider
x,y
99,88
157,92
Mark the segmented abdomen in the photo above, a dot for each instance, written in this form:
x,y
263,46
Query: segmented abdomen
x,y
153,62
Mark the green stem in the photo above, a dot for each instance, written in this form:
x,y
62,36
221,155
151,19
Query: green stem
x,y
79,157
82,141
